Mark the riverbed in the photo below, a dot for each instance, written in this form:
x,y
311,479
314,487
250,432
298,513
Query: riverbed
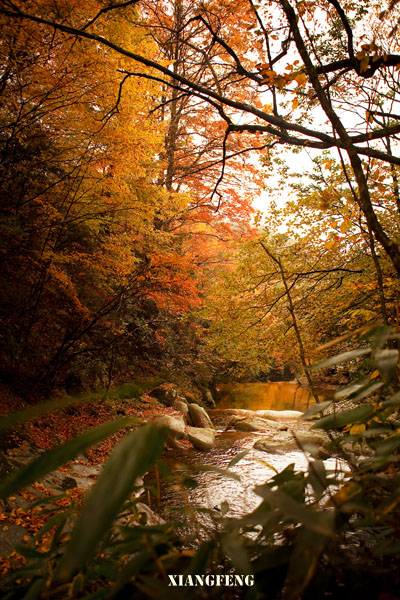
x,y
214,489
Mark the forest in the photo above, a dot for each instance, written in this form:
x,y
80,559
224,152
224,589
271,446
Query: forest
x,y
195,193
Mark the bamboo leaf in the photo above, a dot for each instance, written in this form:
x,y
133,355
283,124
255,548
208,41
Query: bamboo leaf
x,y
316,408
340,358
133,457
338,420
317,522
386,362
237,458
303,562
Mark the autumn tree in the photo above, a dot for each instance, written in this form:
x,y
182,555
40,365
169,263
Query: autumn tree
x,y
79,165
295,74
323,61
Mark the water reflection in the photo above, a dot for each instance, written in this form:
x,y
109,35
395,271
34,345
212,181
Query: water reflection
x,y
256,468
267,396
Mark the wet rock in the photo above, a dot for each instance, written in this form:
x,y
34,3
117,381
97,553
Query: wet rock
x,y
283,441
57,480
166,393
139,488
201,438
279,415
199,417
68,483
279,443
181,407
255,424
208,399
10,535
174,425
311,437
90,471
238,412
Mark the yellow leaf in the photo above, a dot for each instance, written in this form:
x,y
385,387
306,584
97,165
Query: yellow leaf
x,y
345,226
268,76
331,244
301,79
355,429
374,374
346,493
328,163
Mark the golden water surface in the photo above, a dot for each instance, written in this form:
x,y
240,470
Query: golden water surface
x,y
265,396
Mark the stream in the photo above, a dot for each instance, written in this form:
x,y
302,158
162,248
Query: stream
x,y
253,469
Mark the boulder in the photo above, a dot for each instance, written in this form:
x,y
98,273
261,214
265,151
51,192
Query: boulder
x,y
279,415
174,425
166,393
281,442
284,441
199,417
182,407
208,399
255,424
201,438
239,412
11,534
312,437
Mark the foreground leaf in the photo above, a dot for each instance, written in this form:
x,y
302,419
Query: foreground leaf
x,y
318,522
133,457
340,358
338,420
303,562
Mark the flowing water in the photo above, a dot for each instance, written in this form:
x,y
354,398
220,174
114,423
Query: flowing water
x,y
254,469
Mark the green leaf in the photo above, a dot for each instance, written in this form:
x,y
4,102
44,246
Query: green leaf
x,y
28,552
133,457
237,458
386,362
317,477
316,408
359,390
130,570
233,545
35,589
224,507
340,358
368,390
198,564
349,389
56,519
319,522
380,334
303,562
393,401
338,420
52,459
388,445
